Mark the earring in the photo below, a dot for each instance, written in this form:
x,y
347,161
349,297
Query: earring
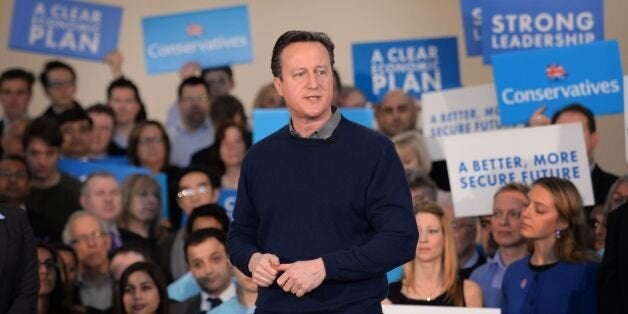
x,y
557,233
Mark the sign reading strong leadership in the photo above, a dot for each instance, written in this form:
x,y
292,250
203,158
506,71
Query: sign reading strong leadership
x,y
588,74
414,66
527,24
211,38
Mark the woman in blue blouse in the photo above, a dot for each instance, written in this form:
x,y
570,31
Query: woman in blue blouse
x,y
560,276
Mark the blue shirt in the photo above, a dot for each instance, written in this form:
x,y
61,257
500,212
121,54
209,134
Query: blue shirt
x,y
489,277
560,288
184,143
232,306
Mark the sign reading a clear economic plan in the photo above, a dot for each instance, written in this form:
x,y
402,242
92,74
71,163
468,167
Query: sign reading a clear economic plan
x,y
414,66
458,111
67,28
588,74
478,164
516,25
211,37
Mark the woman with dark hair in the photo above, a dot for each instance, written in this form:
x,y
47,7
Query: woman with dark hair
x,y
232,143
69,268
124,98
560,276
143,290
141,205
51,292
149,147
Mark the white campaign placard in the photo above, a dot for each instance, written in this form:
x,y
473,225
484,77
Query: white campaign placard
x,y
458,111
424,309
478,164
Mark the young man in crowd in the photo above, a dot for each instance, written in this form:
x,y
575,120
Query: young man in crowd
x,y
16,89
76,129
59,82
14,181
103,124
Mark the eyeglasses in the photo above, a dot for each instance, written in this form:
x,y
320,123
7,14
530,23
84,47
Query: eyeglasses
x,y
187,192
150,140
195,99
5,174
86,238
49,264
60,84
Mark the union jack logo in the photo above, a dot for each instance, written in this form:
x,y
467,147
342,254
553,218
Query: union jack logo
x,y
194,30
555,72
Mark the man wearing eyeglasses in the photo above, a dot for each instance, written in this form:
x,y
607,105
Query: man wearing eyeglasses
x,y
197,186
508,203
59,82
465,232
194,130
89,237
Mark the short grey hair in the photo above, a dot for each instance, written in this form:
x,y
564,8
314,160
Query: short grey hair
x,y
67,236
93,175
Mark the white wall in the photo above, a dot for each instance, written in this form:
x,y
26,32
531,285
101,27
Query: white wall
x,y
345,21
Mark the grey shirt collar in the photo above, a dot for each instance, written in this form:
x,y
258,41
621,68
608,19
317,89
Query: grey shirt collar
x,y
326,130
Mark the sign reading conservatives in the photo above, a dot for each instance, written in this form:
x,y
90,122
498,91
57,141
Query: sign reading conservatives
x,y
516,25
589,74
66,28
414,66
211,38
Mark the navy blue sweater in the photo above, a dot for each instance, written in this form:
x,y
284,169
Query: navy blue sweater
x,y
345,199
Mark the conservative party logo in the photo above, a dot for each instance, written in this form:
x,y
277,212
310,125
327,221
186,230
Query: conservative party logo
x,y
587,74
555,72
194,30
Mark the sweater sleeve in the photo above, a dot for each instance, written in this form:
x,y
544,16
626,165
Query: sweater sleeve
x,y
242,242
608,281
389,212
588,298
27,281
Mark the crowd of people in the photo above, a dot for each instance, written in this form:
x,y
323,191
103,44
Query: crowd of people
x,y
101,245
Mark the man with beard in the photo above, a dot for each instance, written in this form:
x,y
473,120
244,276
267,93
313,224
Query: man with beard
x,y
101,196
508,203
206,255
89,237
194,130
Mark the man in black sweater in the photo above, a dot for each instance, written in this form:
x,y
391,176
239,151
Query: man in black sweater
x,y
323,209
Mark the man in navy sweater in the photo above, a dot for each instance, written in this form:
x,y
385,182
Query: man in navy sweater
x,y
323,208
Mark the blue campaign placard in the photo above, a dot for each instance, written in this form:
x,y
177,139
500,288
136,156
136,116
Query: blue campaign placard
x,y
227,199
414,66
67,28
210,37
518,25
267,121
588,74
471,11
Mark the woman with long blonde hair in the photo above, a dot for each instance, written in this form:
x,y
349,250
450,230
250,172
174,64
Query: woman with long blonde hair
x,y
431,278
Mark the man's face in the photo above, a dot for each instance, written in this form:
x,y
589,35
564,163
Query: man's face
x,y
396,113
42,159
90,242
465,232
209,264
124,104
102,198
219,82
76,138
102,132
195,190
14,182
61,88
590,139
506,219
306,82
194,105
15,95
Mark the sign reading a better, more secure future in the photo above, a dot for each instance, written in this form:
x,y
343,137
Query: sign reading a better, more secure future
x,y
588,74
67,28
214,37
414,66
530,24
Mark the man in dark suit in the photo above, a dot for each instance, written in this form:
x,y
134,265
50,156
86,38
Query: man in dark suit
x,y
206,255
19,284
613,275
